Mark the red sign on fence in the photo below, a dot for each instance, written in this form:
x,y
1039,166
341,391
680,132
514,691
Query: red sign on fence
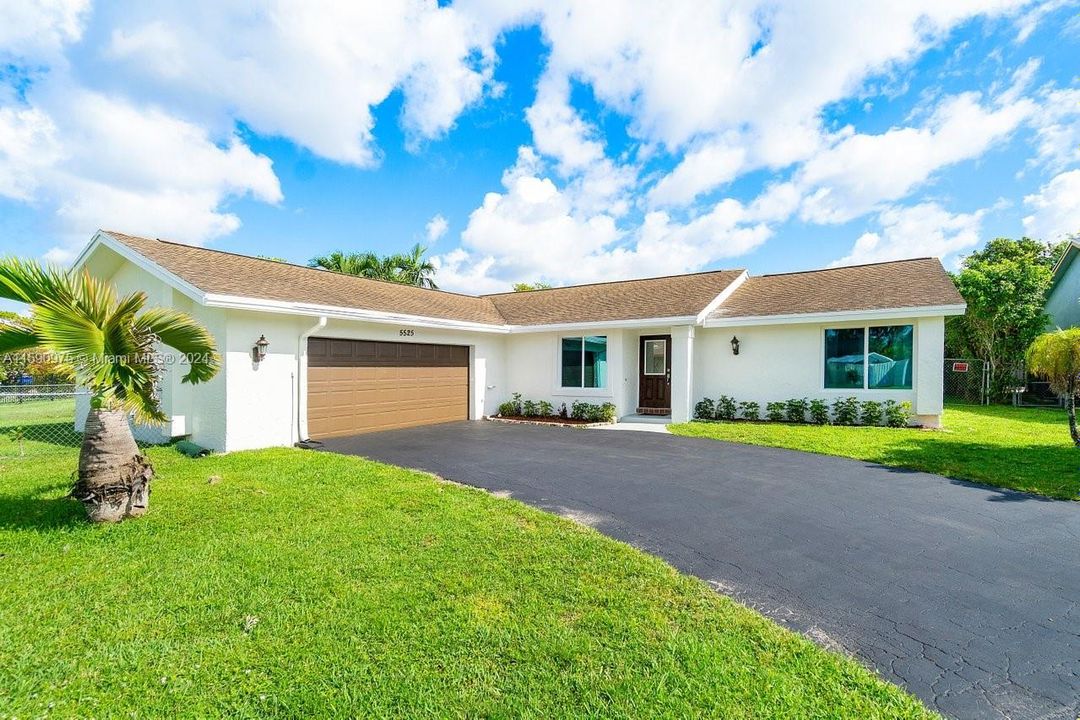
x,y
959,367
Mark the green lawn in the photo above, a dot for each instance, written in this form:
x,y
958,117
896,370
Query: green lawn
x,y
308,584
37,427
1020,448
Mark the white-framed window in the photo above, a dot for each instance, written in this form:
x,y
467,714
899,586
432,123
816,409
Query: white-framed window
x,y
872,357
583,361
655,357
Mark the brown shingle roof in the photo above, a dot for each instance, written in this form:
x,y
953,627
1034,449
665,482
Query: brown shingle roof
x,y
900,284
216,272
663,297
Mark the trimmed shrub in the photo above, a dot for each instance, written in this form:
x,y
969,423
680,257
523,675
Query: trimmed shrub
x,y
725,408
871,412
897,414
545,409
775,411
819,412
750,410
607,412
529,408
846,411
705,409
507,409
795,409
593,413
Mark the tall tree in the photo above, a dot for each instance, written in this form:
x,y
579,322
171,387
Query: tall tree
x,y
111,344
1005,286
529,287
1056,356
409,268
412,268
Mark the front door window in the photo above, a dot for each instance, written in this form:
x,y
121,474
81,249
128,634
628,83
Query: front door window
x,y
655,357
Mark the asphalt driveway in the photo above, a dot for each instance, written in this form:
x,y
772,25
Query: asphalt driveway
x,y
965,595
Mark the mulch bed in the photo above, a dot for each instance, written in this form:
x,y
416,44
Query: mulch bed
x,y
558,421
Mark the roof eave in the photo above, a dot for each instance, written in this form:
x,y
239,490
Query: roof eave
x,y
838,316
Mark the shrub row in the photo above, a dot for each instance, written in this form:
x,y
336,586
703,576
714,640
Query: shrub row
x,y
518,407
844,411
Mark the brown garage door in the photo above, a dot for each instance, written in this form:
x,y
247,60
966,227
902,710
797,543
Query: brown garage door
x,y
358,386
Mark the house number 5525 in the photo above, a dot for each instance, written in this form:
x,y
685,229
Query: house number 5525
x,y
406,333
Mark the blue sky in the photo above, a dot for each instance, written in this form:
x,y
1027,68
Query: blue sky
x,y
568,142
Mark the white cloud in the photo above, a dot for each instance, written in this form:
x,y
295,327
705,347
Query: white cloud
x,y
28,145
1057,128
533,230
40,28
1056,208
861,171
713,164
924,230
102,162
436,227
312,71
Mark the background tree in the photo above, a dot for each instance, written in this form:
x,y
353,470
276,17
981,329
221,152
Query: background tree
x,y
111,343
409,268
1056,356
529,287
1005,286
38,364
412,268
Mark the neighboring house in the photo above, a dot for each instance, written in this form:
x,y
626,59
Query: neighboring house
x,y
349,355
1063,302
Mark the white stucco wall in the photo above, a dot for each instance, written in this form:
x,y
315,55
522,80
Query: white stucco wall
x,y
263,399
781,362
1063,304
533,369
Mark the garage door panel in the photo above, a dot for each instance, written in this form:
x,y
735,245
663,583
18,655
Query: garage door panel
x,y
357,386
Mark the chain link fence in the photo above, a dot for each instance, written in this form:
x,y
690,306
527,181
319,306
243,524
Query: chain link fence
x,y
39,420
967,380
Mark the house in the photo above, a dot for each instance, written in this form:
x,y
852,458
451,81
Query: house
x,y
1063,301
309,353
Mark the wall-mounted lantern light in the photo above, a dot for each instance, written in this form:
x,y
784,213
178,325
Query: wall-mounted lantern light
x,y
734,345
259,351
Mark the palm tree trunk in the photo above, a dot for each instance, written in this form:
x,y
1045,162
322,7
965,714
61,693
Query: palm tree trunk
x,y
1070,405
114,477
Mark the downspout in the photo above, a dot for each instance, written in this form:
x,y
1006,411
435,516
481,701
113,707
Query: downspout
x,y
301,379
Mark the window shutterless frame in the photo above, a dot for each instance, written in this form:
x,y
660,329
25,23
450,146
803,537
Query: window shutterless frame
x,y
581,368
867,384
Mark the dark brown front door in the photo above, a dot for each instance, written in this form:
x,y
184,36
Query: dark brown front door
x,y
654,363
358,386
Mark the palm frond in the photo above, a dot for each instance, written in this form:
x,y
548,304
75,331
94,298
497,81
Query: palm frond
x,y
14,338
71,335
29,282
182,332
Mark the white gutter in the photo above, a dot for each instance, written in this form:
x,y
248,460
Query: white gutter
x,y
837,316
301,379
236,302
601,324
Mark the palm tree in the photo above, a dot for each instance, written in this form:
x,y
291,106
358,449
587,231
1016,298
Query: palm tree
x,y
404,268
110,343
363,264
1056,356
414,269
